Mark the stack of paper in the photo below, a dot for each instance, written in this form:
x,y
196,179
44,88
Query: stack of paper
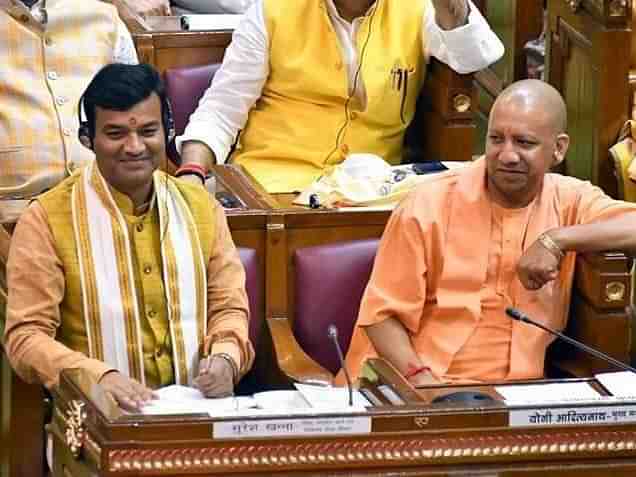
x,y
306,399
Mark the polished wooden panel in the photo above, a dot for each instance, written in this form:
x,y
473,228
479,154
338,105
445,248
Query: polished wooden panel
x,y
416,438
23,411
515,22
589,63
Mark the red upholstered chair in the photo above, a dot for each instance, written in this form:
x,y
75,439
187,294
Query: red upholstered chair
x,y
254,289
185,87
250,382
329,282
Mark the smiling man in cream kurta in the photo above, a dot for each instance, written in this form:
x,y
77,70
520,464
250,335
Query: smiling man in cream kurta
x,y
124,271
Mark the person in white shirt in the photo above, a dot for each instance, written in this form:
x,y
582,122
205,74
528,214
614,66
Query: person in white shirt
x,y
248,84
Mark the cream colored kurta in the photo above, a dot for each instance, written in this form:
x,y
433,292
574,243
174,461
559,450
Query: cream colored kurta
x,y
445,270
44,70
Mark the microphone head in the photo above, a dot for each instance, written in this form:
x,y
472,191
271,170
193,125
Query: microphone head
x,y
514,313
332,331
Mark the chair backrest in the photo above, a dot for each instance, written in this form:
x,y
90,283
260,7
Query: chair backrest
x,y
254,292
185,87
329,282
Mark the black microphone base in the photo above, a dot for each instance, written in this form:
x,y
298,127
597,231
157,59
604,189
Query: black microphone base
x,y
468,398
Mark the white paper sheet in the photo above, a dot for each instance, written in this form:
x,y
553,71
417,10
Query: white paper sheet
x,y
332,398
185,400
210,22
545,393
621,384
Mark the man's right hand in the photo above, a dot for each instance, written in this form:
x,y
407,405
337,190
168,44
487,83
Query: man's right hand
x,y
147,8
129,394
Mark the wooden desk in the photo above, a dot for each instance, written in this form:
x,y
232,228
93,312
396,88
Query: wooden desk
x,y
91,437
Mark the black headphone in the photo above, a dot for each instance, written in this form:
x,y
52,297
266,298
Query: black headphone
x,y
167,119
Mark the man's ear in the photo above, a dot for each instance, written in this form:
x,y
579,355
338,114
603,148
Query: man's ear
x,y
561,148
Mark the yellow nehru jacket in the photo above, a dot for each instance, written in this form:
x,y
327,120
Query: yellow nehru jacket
x,y
145,236
291,134
44,71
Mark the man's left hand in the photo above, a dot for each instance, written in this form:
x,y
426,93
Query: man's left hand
x,y
215,378
537,266
451,14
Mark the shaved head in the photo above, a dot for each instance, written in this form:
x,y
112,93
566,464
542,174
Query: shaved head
x,y
536,95
526,137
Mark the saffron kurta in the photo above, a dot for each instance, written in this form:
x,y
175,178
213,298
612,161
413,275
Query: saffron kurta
x,y
446,270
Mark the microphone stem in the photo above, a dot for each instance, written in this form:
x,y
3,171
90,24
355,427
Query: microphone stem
x,y
586,348
344,369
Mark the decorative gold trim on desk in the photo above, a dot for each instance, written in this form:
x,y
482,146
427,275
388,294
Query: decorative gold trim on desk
x,y
75,429
237,457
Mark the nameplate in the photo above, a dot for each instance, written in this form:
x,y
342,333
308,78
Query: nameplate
x,y
335,426
572,416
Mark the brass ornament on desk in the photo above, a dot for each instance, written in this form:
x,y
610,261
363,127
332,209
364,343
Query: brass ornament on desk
x,y
574,5
619,8
462,103
614,291
75,428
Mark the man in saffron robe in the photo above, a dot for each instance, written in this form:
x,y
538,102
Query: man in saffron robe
x,y
469,243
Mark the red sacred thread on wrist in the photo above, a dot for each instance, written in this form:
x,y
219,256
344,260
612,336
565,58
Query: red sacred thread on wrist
x,y
192,169
413,370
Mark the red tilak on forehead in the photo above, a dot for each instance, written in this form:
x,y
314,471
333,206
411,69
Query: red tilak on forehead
x,y
133,121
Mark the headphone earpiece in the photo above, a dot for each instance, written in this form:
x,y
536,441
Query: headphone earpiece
x,y
83,132
84,136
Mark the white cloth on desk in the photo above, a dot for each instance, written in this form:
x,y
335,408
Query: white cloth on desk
x,y
238,84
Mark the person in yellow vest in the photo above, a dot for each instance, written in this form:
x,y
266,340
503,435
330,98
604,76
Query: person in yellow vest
x,y
309,81
122,270
49,51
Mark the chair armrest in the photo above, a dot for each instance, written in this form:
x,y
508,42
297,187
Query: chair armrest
x,y
292,361
600,315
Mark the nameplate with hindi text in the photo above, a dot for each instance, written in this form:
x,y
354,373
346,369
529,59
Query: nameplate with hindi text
x,y
313,426
572,416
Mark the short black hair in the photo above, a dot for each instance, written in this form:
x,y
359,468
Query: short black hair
x,y
119,87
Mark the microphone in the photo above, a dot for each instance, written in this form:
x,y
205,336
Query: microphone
x,y
332,332
520,316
